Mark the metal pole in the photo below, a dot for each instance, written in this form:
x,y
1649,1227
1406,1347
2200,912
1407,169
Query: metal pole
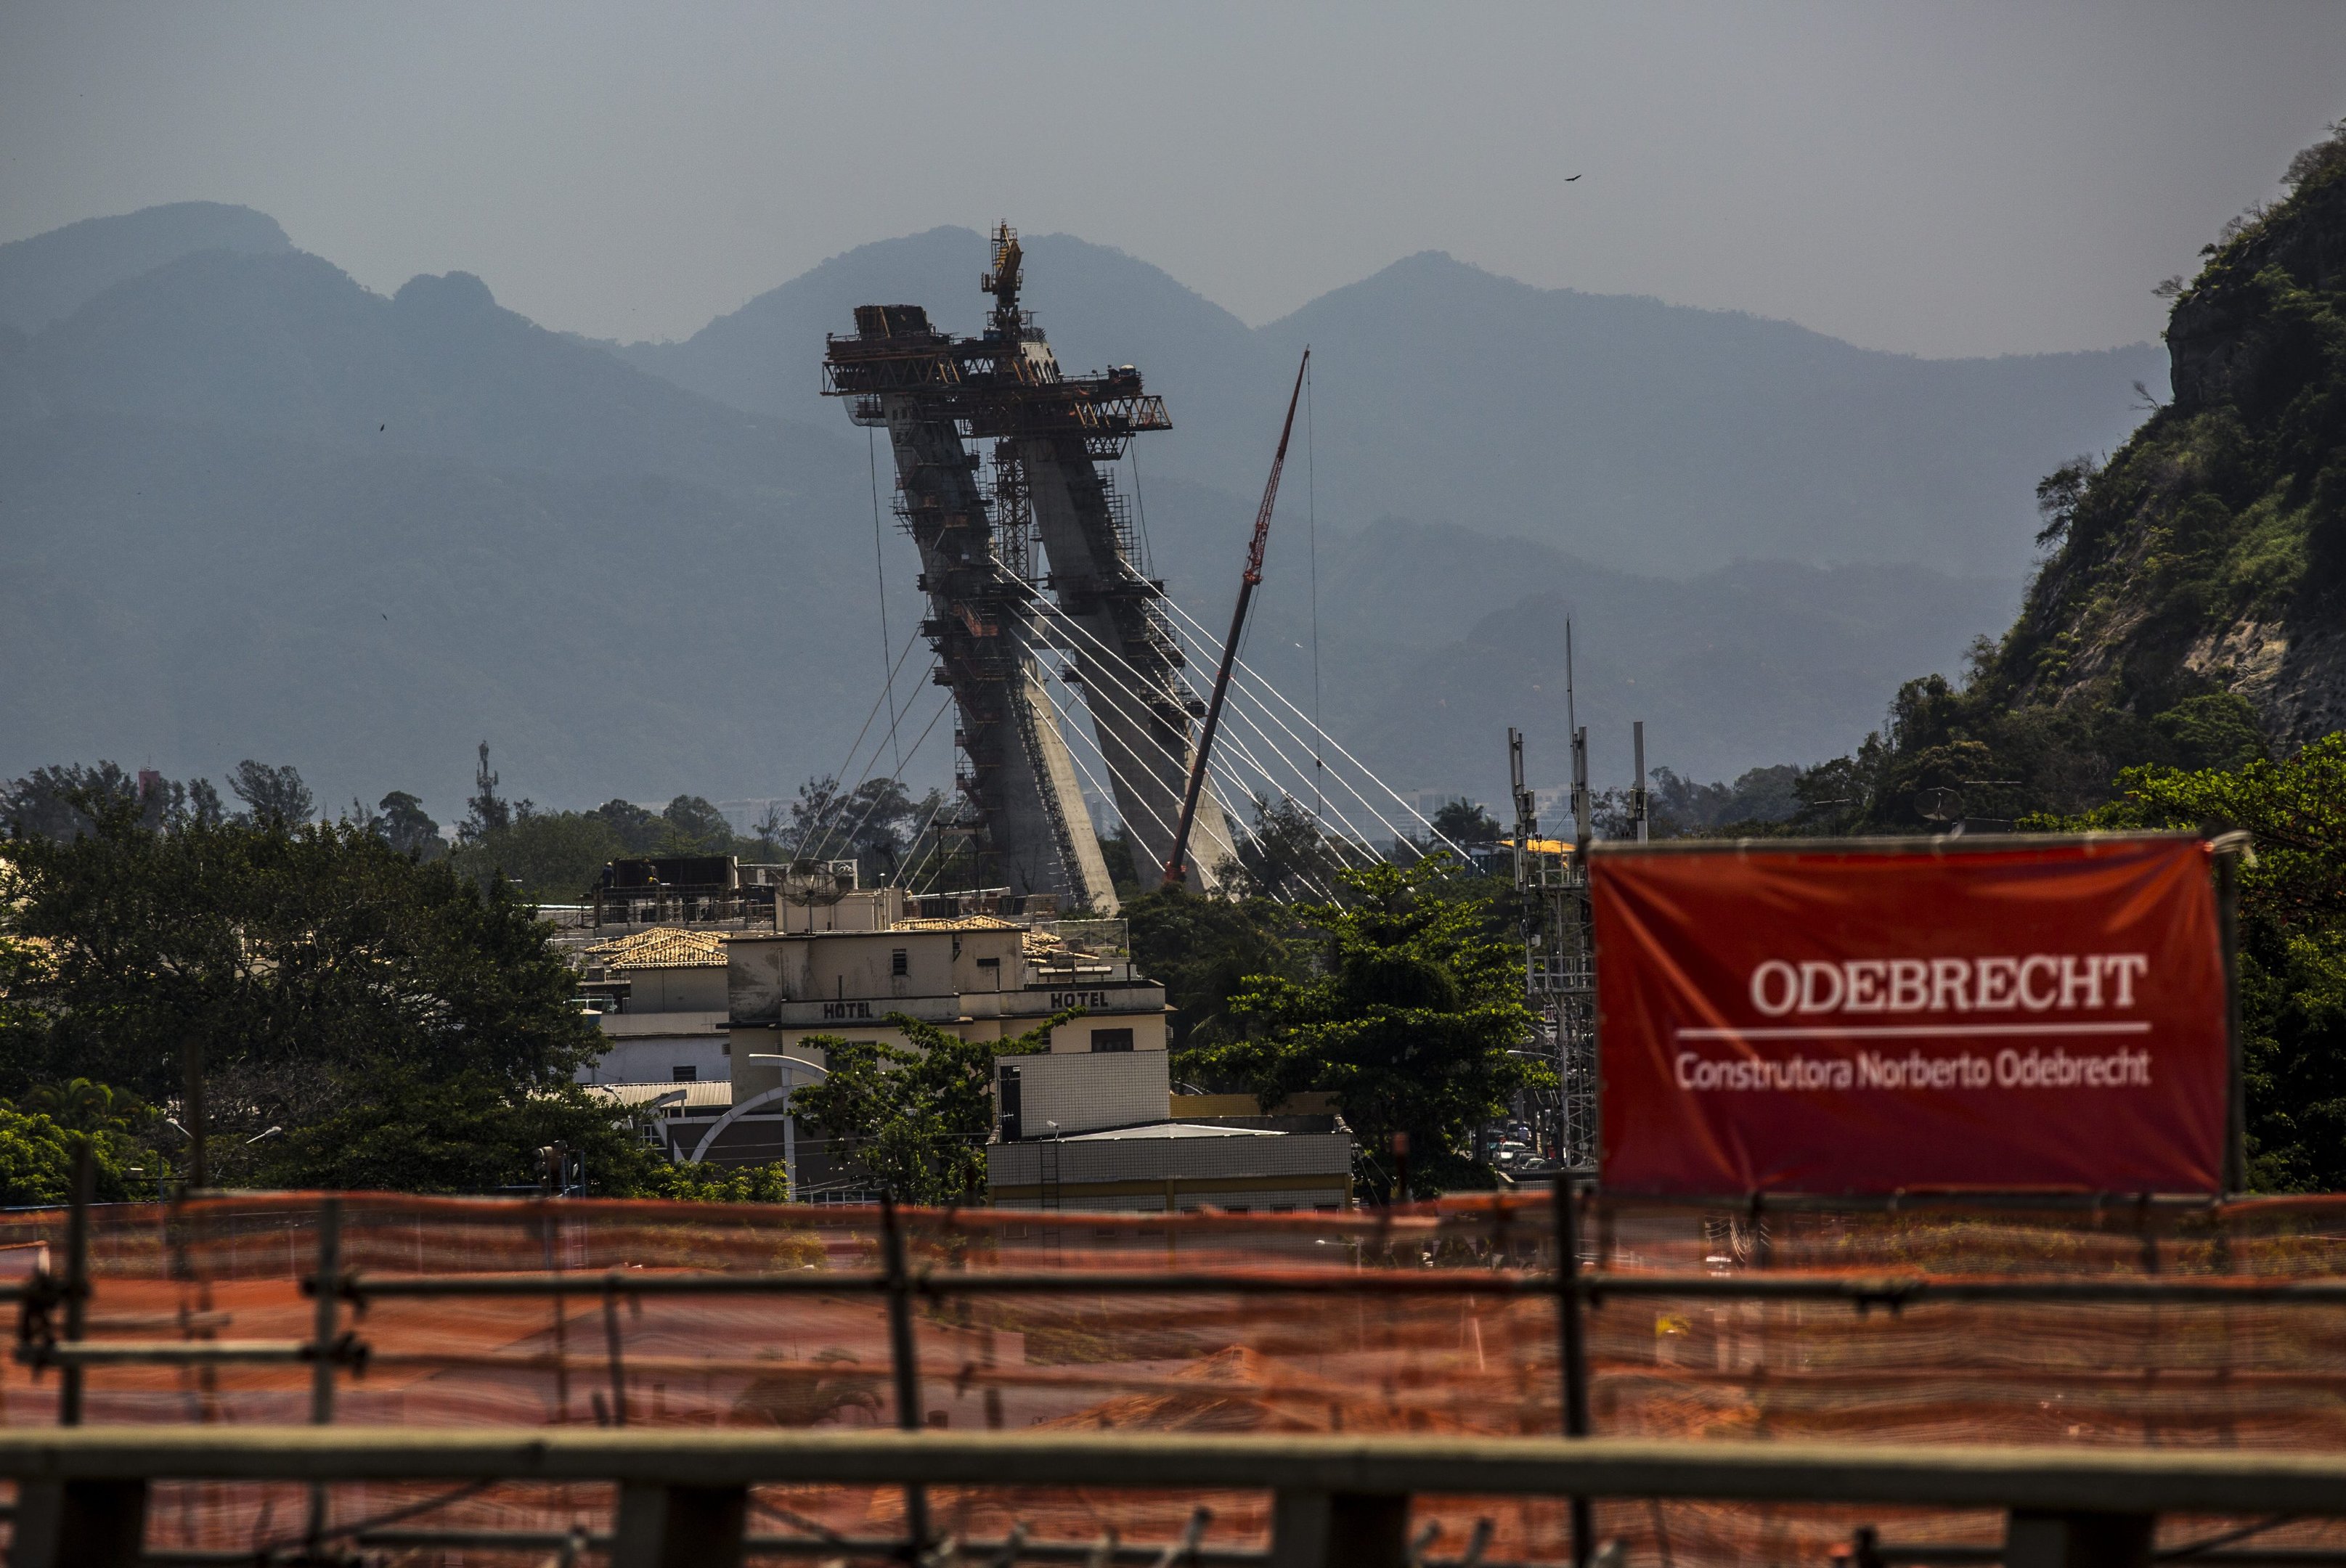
x,y
612,1349
1572,1346
1571,710
2228,916
324,1311
1639,805
324,1320
198,1170
907,1370
84,1190
789,1128
1580,801
550,1222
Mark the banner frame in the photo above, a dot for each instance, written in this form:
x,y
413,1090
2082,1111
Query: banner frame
x,y
2224,854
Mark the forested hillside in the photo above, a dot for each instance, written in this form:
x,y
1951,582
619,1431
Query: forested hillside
x,y
2190,606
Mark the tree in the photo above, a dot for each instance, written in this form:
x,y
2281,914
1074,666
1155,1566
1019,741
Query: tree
x,y
1757,799
366,1001
810,814
408,829
637,831
873,823
768,1182
271,794
915,1120
771,830
415,1130
1204,951
1287,852
695,828
36,1161
874,819
1118,852
42,803
2293,941
551,856
2324,159
2059,495
81,1106
1465,822
1409,1019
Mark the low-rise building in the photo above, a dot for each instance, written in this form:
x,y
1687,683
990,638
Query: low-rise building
x,y
980,977
1087,1123
1174,1168
660,996
1095,1133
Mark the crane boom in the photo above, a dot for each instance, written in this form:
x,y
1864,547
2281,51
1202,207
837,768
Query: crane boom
x,y
1176,865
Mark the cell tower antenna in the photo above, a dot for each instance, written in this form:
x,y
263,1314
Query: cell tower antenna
x,y
1571,717
1640,806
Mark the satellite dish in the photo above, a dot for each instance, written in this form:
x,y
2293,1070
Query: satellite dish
x,y
1939,805
810,883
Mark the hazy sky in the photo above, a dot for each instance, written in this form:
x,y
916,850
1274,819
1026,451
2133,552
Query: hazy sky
x,y
1945,179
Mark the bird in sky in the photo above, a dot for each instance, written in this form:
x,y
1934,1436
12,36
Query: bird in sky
x,y
1570,178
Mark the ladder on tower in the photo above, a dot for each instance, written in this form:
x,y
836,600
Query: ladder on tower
x,y
1046,1164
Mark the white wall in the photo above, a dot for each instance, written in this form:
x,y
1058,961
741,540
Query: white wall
x,y
654,1058
1081,1092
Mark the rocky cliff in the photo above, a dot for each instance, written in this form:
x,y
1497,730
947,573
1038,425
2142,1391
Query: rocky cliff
x,y
2207,560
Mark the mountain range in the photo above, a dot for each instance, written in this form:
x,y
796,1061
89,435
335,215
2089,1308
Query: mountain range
x,y
249,507
1649,437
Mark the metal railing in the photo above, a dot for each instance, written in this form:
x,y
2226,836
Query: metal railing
x,y
683,1496
1340,1501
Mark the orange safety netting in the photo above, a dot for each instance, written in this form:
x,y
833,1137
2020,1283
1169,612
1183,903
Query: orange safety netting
x,y
2238,1375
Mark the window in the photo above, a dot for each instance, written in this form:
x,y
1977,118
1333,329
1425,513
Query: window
x,y
1111,1039
686,1073
898,963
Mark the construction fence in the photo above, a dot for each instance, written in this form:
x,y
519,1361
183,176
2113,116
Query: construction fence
x,y
2129,1324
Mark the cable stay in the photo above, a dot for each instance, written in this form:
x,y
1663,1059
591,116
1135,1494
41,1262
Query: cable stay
x,y
1113,662
831,826
1199,634
1067,725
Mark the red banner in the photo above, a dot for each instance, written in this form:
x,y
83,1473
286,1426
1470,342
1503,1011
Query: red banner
x,y
1854,1020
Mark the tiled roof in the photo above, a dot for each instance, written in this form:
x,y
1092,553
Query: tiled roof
x,y
1033,943
717,1091
662,947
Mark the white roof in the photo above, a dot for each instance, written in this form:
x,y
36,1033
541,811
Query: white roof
x,y
1162,1130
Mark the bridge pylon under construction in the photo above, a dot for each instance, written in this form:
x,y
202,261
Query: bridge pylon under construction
x,y
998,455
